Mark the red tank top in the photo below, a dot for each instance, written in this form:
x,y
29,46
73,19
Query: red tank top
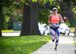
x,y
54,19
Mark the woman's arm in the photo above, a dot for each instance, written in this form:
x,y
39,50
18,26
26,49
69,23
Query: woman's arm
x,y
61,19
49,19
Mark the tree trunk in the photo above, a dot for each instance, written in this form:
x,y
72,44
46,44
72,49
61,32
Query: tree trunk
x,y
26,21
34,19
1,17
30,22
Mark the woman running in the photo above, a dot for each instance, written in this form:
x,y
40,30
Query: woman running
x,y
53,21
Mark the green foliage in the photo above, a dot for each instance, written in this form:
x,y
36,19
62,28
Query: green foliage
x,y
22,44
44,10
7,11
43,15
67,23
19,18
74,20
10,9
34,0
18,5
6,3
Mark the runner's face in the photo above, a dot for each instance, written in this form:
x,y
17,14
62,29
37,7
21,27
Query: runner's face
x,y
54,11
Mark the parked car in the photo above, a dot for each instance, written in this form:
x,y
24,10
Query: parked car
x,y
64,29
43,28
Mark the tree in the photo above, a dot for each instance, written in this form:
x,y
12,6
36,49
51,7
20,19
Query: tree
x,y
1,16
66,9
3,3
30,20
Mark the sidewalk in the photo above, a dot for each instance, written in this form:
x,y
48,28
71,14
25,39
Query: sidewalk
x,y
15,33
66,46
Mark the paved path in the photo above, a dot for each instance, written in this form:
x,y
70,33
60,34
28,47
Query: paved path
x,y
66,46
17,33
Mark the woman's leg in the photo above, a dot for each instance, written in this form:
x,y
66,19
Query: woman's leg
x,y
52,32
57,39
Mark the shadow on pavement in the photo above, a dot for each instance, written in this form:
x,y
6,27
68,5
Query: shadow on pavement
x,y
75,51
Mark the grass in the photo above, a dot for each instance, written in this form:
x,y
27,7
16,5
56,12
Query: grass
x,y
21,45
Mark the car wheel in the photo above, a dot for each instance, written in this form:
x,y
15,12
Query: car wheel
x,y
64,33
69,33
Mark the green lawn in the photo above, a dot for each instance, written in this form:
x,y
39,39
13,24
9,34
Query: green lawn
x,y
22,44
